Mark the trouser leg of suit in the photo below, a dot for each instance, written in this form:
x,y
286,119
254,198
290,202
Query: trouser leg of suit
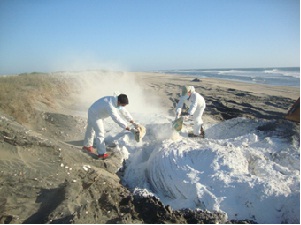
x,y
90,133
100,136
198,121
95,128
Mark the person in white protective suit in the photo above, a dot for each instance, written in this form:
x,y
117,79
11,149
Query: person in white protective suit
x,y
108,106
197,105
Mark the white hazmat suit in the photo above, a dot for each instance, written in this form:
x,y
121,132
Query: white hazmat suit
x,y
197,105
101,109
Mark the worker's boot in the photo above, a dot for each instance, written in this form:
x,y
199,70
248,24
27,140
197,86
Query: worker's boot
x,y
103,156
89,149
202,134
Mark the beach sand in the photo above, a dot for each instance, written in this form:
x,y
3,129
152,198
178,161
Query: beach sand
x,y
47,178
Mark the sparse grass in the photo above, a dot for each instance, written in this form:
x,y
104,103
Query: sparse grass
x,y
19,94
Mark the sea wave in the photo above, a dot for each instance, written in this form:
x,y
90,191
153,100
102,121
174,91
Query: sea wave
x,y
289,76
289,73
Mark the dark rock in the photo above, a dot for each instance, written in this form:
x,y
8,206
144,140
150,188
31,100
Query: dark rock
x,y
196,80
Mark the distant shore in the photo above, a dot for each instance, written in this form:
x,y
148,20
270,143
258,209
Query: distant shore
x,y
281,91
274,76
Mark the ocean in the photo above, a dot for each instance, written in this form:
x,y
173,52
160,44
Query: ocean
x,y
284,76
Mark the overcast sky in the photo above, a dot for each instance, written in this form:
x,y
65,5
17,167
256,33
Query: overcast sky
x,y
143,35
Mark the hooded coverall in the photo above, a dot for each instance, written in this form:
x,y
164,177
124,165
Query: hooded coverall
x,y
197,105
101,109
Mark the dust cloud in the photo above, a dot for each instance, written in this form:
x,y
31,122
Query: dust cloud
x,y
92,85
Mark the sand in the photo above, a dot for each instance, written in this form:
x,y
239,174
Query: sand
x,y
47,178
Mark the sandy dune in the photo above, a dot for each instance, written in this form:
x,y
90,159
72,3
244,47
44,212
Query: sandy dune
x,y
47,178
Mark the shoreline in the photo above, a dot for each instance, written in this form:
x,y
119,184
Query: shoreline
x,y
272,76
281,91
233,80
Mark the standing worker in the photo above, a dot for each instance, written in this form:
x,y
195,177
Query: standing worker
x,y
197,105
101,109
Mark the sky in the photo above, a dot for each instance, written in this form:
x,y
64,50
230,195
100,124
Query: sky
x,y
144,35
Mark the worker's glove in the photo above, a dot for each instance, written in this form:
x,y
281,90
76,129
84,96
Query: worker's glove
x,y
127,128
186,118
135,124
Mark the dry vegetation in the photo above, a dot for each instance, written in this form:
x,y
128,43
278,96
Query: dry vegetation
x,y
31,88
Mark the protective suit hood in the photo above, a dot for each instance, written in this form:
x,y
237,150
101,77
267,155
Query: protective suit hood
x,y
186,89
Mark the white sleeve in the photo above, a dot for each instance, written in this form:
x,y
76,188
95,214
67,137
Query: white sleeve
x,y
180,105
116,118
125,113
178,111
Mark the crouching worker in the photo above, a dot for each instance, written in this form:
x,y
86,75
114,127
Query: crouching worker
x,y
109,106
197,105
